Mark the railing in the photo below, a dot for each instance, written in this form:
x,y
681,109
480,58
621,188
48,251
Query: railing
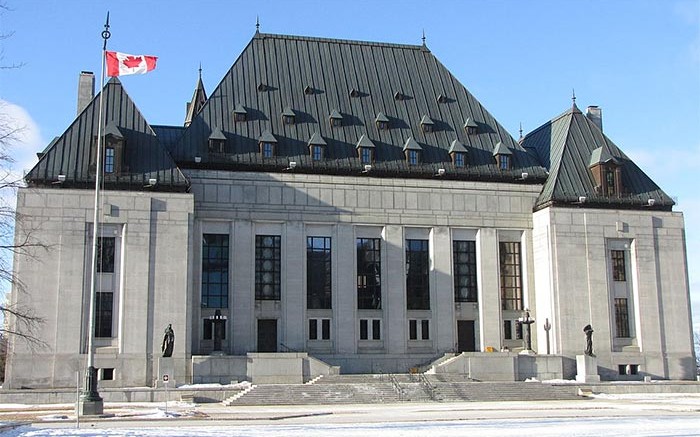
x,y
428,387
400,391
287,348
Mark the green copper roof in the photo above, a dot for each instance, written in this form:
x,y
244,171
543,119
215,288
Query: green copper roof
x,y
501,149
216,134
567,145
457,146
317,140
267,137
365,142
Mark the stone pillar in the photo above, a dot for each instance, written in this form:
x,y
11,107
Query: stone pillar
x,y
587,369
293,294
442,291
489,290
241,333
345,294
395,323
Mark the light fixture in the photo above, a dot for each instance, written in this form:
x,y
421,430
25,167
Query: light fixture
x,y
524,175
151,183
197,159
292,166
60,179
367,169
581,199
440,172
651,202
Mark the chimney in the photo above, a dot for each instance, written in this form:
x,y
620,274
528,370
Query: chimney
x,y
595,114
86,89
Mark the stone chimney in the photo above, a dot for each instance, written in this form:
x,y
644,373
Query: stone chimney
x,y
595,114
86,89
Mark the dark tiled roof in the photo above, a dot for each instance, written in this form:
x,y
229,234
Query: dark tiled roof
x,y
567,145
285,65
144,156
198,99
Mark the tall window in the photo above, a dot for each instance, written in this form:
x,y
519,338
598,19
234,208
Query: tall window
x,y
105,254
511,276
622,321
109,160
618,265
316,152
267,267
214,271
318,273
369,276
459,159
104,300
417,269
104,307
412,157
464,258
504,162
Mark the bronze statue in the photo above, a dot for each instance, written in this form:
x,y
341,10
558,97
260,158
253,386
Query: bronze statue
x,y
168,342
589,340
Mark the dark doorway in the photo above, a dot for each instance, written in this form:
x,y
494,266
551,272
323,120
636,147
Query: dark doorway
x,y
466,337
267,335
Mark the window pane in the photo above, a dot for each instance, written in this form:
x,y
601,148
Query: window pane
x,y
215,248
464,258
104,304
425,329
313,329
376,330
622,323
318,272
507,331
369,268
268,267
511,276
105,254
618,265
417,275
412,330
363,329
326,329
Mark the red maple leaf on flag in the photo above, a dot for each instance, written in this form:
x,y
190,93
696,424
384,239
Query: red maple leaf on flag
x,y
132,61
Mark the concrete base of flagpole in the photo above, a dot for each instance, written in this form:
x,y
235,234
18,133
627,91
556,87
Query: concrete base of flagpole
x,y
90,403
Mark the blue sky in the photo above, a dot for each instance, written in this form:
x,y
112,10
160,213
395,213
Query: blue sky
x,y
639,60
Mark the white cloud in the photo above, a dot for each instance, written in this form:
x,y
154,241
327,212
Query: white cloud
x,y
27,139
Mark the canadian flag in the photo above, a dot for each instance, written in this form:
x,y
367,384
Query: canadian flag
x,y
120,64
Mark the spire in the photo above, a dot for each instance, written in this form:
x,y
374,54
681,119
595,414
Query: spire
x,y
521,132
257,24
573,96
423,38
199,98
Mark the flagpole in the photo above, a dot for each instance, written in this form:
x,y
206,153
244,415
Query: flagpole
x,y
90,401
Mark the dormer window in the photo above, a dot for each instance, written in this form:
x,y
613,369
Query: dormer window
x,y
217,141
471,127
412,151
427,124
458,153
240,114
607,172
109,160
267,144
503,156
458,159
365,150
308,90
442,98
317,147
113,150
335,119
382,122
354,92
288,116
398,95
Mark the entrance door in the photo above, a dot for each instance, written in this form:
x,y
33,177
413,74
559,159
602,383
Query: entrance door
x,y
466,338
267,335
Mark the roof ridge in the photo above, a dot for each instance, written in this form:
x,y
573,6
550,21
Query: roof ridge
x,y
341,41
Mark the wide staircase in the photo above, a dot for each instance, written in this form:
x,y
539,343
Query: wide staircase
x,y
393,388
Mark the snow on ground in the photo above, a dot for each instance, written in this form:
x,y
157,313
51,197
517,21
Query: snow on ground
x,y
602,427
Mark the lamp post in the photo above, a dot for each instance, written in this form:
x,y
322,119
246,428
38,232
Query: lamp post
x,y
526,321
547,328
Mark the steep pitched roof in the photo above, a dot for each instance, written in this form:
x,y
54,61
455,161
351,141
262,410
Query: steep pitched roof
x,y
198,99
72,154
567,145
285,65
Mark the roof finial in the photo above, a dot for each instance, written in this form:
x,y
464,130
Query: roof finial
x,y
423,38
257,24
200,70
573,96
521,130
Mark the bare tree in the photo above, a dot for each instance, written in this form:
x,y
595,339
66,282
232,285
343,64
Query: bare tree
x,y
18,321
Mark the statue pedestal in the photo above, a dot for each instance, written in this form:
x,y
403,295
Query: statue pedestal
x,y
587,369
166,366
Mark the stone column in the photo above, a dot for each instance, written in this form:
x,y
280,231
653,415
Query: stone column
x,y
489,291
394,305
345,294
442,300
